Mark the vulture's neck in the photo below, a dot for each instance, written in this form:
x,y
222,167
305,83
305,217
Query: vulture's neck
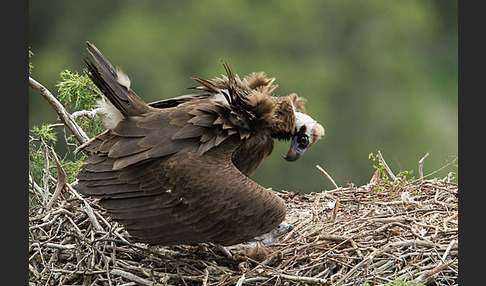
x,y
270,115
283,119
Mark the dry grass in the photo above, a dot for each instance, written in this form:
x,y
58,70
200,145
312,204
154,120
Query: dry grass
x,y
345,236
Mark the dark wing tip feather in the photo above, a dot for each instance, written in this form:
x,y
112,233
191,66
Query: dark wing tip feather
x,y
100,59
207,85
114,84
229,72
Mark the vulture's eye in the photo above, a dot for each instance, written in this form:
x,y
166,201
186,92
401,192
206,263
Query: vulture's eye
x,y
304,141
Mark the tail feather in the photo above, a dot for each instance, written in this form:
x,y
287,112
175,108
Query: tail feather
x,y
114,84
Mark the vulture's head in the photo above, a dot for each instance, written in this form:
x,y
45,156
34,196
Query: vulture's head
x,y
306,132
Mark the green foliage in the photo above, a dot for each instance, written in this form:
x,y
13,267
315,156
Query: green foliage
x,y
41,152
41,156
76,91
384,181
44,134
36,161
41,139
71,168
31,66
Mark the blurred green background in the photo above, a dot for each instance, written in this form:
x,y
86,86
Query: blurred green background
x,y
378,75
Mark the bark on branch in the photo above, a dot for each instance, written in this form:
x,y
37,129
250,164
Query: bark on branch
x,y
65,117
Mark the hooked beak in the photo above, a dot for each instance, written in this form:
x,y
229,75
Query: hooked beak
x,y
295,150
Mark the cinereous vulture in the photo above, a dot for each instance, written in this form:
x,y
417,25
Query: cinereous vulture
x,y
177,171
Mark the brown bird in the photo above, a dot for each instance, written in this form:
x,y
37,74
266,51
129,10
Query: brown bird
x,y
177,171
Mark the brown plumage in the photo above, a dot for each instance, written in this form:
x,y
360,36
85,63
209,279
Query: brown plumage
x,y
177,171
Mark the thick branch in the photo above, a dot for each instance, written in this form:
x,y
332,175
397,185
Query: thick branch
x,y
65,117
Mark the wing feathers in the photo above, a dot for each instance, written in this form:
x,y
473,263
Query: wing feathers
x,y
97,176
127,146
188,131
153,120
159,134
130,160
177,170
173,200
108,144
114,84
220,138
161,150
207,85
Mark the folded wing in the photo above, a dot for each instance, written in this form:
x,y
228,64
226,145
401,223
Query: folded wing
x,y
172,195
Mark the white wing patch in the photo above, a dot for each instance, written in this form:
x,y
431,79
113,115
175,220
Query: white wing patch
x,y
110,115
222,97
122,78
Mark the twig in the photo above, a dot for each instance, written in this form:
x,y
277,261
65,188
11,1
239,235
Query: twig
x,y
358,251
449,247
331,237
45,176
36,187
53,245
365,260
336,209
312,280
206,277
421,164
440,169
34,271
388,170
424,277
89,210
65,117
87,113
133,277
64,271
61,181
241,280
327,175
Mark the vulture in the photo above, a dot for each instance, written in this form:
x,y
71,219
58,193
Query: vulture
x,y
177,171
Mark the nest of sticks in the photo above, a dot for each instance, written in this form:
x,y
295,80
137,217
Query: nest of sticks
x,y
367,235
